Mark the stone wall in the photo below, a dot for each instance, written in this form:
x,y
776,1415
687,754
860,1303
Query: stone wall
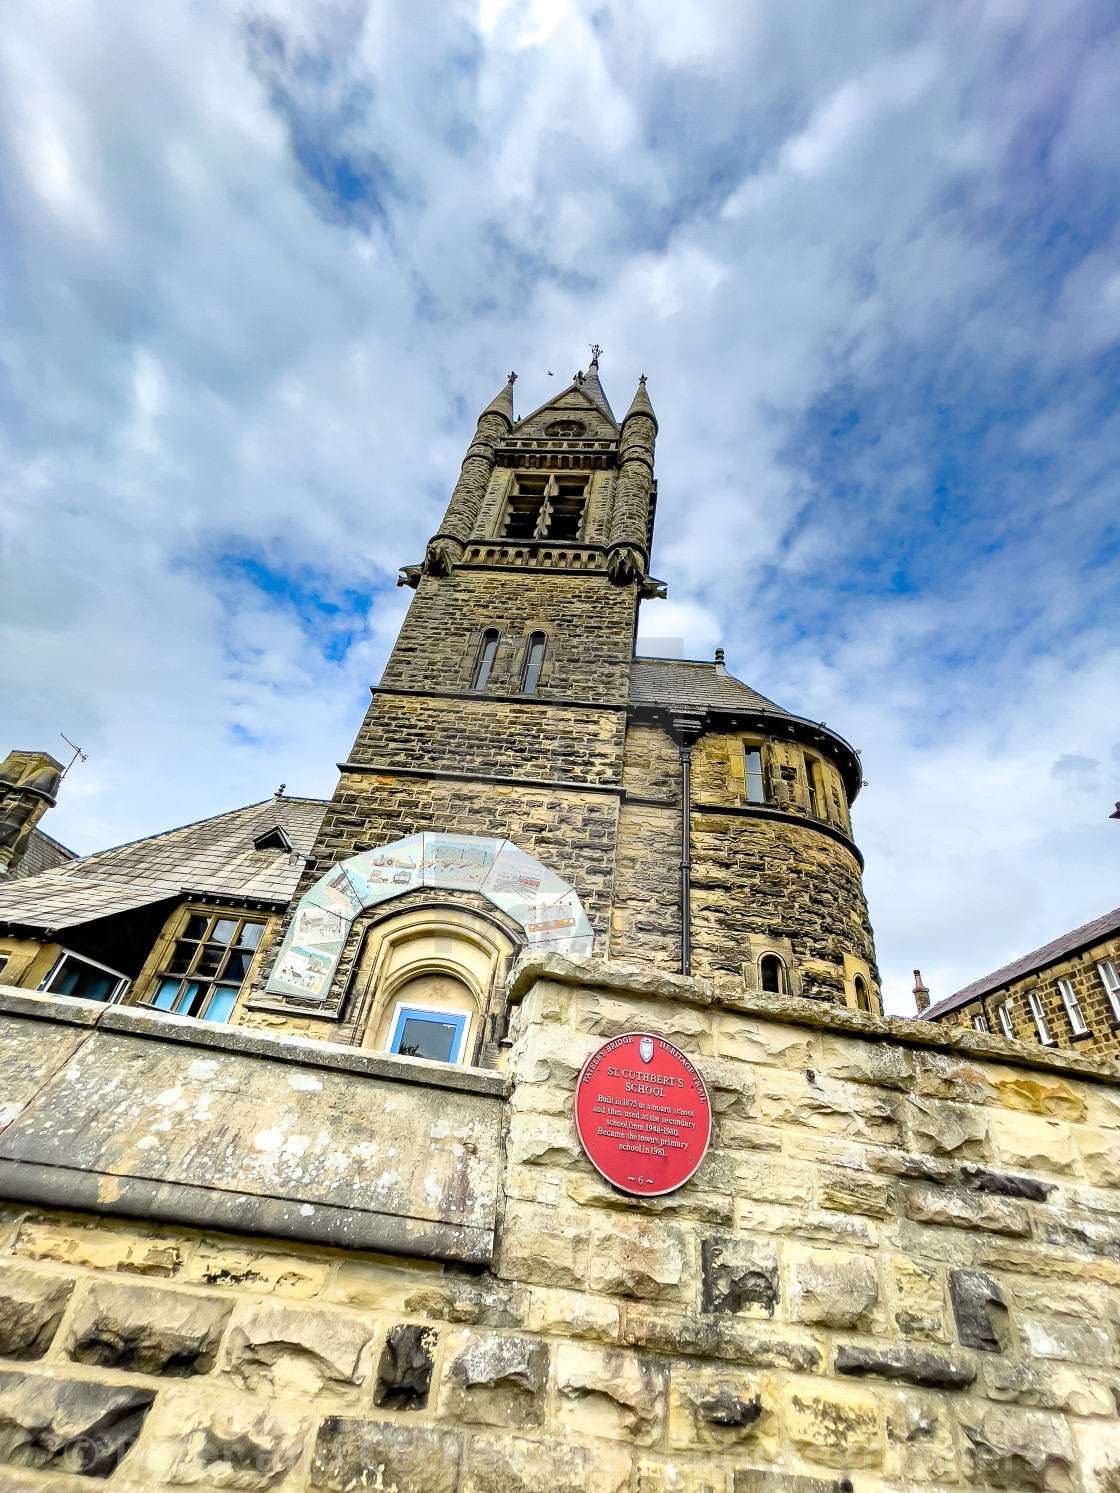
x,y
896,1269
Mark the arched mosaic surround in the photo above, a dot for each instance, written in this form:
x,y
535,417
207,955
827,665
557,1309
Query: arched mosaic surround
x,y
544,905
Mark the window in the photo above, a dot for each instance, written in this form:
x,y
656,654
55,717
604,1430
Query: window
x,y
863,998
755,792
816,787
423,1032
980,1022
3,963
84,979
546,507
1111,982
488,651
1006,1026
771,974
1078,1025
1039,1018
208,966
534,662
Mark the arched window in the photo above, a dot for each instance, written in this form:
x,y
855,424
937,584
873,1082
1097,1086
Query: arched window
x,y
487,652
534,662
863,997
772,974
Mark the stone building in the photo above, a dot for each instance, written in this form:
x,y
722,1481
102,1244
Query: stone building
x,y
293,1197
1064,995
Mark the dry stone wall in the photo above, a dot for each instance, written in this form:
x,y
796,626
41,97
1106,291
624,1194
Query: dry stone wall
x,y
896,1270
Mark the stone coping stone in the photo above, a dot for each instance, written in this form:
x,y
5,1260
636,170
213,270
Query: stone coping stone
x,y
139,1021
657,984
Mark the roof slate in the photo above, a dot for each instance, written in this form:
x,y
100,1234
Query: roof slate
x,y
1069,943
699,686
214,857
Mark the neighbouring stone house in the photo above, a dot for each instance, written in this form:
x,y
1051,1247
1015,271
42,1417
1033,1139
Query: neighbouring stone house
x,y
1064,995
292,1194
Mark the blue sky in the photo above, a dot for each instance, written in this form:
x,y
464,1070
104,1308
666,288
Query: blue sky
x,y
262,266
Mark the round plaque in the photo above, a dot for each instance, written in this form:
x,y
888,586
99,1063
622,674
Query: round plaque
x,y
642,1114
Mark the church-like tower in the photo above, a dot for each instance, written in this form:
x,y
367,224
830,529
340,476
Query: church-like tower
x,y
691,823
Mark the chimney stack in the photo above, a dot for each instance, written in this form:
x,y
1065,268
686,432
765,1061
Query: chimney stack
x,y
921,994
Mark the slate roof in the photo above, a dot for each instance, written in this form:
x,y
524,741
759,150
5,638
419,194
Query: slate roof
x,y
213,857
1069,943
42,854
693,685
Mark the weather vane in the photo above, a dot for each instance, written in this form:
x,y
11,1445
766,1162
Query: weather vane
x,y
595,351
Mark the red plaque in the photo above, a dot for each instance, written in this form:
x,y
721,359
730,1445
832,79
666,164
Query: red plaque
x,y
642,1114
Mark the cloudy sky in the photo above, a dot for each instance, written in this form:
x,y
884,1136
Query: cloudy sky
x,y
262,264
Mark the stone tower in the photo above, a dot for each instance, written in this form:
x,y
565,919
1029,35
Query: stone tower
x,y
513,710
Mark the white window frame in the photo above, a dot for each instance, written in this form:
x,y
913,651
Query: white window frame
x,y
1039,1015
1006,1024
1110,979
980,1023
440,1013
119,990
754,749
1078,1025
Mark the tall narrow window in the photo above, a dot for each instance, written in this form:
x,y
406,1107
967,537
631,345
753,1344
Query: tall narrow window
x,y
863,999
755,791
816,787
1111,982
771,973
487,653
1039,1018
1004,1013
534,662
1078,1025
980,1022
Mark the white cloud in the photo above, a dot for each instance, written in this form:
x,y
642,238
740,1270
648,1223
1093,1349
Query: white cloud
x,y
263,267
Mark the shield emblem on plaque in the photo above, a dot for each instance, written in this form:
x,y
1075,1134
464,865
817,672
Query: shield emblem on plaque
x,y
645,1047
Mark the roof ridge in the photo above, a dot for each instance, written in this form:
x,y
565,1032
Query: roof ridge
x,y
193,824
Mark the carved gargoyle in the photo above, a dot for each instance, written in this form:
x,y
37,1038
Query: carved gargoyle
x,y
438,559
625,565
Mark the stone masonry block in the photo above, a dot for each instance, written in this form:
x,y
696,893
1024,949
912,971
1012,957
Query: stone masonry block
x,y
230,1443
943,1129
353,1455
512,1465
609,1393
256,1270
31,1307
920,1440
404,1372
831,1289
543,1247
1016,1449
639,1257
98,1249
1037,1094
960,1210
1071,1342
918,1298
772,1043
739,1275
497,1381
712,1406
543,1140
275,1349
1034,1142
806,1100
572,1313
980,1311
68,1425
832,1425
145,1330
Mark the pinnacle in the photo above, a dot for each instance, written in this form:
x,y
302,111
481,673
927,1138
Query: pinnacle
x,y
502,403
640,404
591,386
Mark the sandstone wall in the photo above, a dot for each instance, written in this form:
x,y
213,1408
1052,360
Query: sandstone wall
x,y
896,1269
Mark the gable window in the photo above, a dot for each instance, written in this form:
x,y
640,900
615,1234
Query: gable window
x,y
756,794
1111,982
1078,1025
1039,1018
771,974
534,662
208,966
487,653
546,506
84,979
1006,1026
427,1032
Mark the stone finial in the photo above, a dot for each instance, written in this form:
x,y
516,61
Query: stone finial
x,y
719,658
640,404
921,994
502,402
